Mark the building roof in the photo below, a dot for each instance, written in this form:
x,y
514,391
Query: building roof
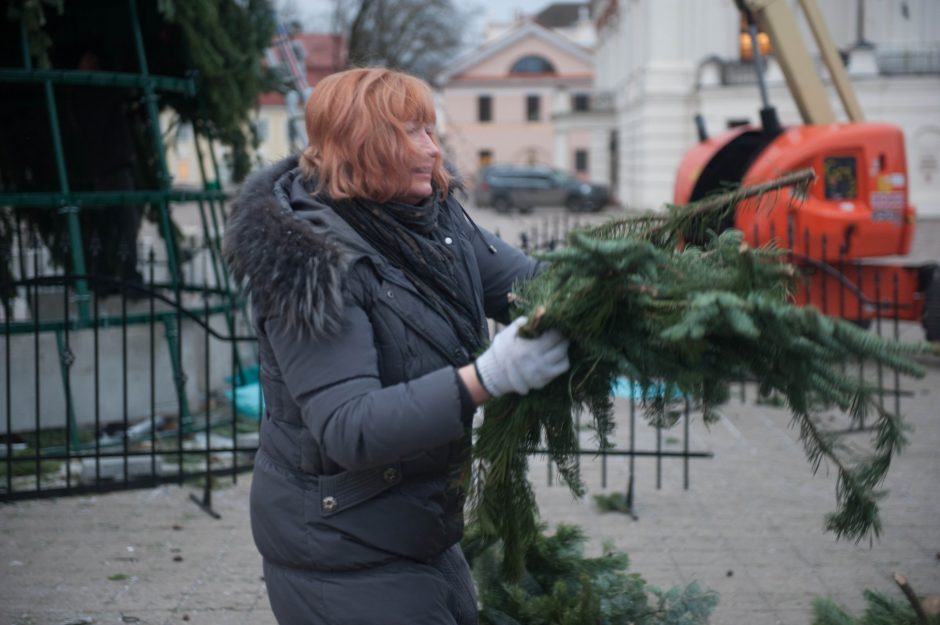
x,y
511,38
560,14
324,54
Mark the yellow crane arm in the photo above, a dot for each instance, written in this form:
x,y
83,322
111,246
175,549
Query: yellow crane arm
x,y
833,60
778,21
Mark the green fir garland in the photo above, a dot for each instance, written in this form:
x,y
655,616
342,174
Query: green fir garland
x,y
563,587
690,320
880,610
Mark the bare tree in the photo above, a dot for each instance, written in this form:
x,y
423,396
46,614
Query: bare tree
x,y
416,36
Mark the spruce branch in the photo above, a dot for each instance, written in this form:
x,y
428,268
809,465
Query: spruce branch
x,y
722,201
684,222
683,322
561,585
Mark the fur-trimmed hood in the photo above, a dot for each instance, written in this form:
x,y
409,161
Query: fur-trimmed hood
x,y
287,265
290,252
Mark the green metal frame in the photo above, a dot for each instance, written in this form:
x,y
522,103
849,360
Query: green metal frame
x,y
70,203
106,198
186,86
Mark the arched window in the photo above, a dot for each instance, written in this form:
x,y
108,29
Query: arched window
x,y
532,64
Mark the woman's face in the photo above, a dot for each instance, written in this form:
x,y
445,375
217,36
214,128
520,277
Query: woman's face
x,y
423,165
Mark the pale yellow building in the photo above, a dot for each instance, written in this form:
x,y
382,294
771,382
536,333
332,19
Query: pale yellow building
x,y
525,97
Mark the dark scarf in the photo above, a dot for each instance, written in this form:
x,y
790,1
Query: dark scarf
x,y
407,236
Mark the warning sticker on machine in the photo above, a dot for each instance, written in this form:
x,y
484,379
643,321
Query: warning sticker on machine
x,y
889,182
887,206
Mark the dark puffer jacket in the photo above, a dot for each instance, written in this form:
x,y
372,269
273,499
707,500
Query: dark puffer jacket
x,y
363,439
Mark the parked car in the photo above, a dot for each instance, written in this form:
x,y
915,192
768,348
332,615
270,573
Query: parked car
x,y
524,187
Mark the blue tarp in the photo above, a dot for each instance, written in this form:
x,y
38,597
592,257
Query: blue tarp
x,y
627,389
247,397
248,400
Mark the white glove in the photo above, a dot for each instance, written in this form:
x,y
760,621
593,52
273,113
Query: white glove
x,y
516,364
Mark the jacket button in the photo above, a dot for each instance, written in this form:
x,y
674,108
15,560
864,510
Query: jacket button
x,y
448,240
391,475
390,294
329,504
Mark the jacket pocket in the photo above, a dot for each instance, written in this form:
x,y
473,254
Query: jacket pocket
x,y
347,514
350,488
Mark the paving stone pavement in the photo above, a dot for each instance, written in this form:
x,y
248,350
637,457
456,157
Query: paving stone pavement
x,y
751,524
749,527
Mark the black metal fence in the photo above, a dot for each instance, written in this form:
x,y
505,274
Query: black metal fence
x,y
550,232
888,299
124,382
147,380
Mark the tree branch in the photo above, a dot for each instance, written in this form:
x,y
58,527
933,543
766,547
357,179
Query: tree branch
x,y
707,205
901,581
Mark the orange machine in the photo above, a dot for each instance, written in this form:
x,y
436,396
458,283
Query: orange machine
x,y
857,208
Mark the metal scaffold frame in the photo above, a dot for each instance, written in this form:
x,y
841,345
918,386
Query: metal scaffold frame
x,y
177,300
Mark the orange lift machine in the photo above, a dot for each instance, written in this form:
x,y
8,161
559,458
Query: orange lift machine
x,y
855,211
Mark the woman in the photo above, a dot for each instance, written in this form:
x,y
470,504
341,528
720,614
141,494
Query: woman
x,y
370,289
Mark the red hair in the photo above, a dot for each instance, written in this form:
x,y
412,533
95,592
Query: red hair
x,y
359,147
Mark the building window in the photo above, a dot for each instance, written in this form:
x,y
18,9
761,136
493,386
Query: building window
x,y
840,178
533,106
580,102
485,108
581,161
532,64
486,157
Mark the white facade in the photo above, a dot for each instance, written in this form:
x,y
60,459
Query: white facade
x,y
661,61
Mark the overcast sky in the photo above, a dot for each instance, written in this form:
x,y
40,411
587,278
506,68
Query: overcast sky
x,y
317,12
502,10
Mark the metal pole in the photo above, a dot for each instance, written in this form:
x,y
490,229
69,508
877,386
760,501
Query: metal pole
x,y
150,98
70,212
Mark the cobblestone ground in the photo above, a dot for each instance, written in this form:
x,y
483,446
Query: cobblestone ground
x,y
749,525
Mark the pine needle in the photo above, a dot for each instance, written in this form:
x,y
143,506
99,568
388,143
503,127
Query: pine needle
x,y
634,302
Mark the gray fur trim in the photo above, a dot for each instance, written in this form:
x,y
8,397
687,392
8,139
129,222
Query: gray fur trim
x,y
287,268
